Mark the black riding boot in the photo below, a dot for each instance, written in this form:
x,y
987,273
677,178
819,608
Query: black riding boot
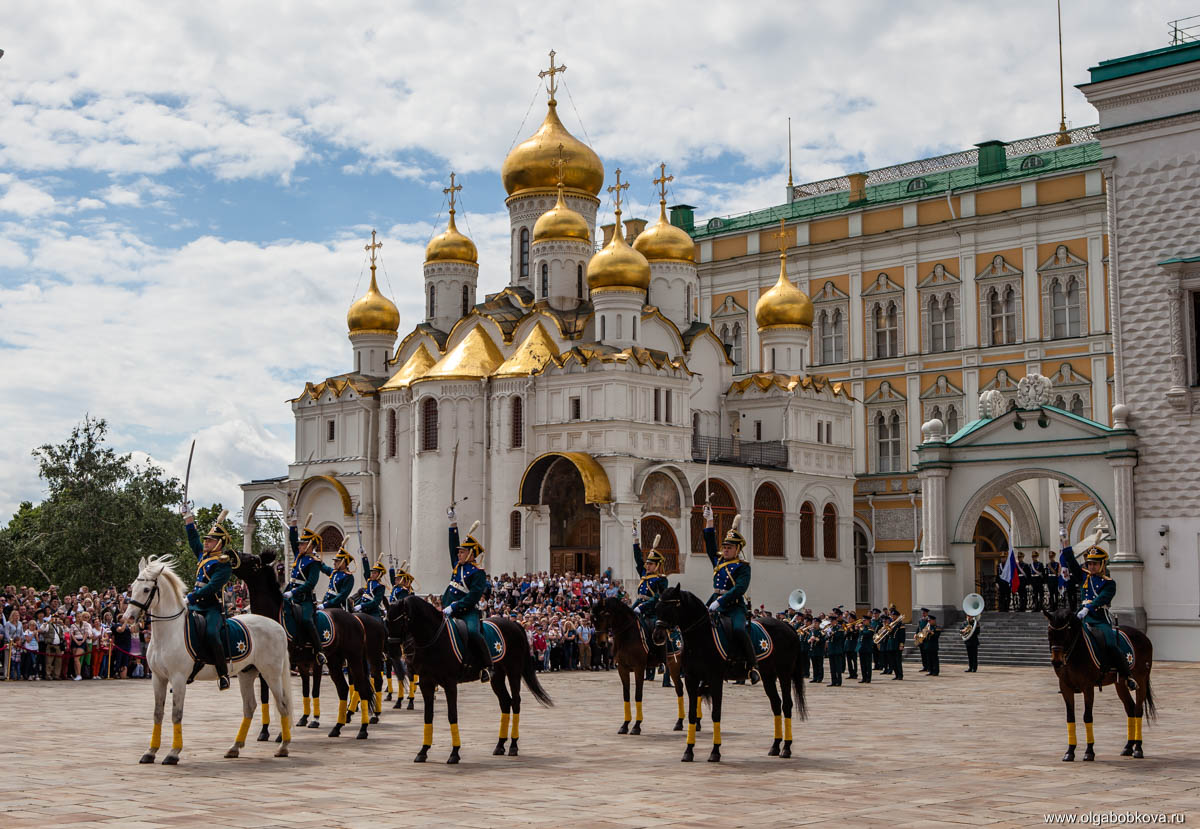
x,y
314,638
748,657
483,657
219,662
1121,666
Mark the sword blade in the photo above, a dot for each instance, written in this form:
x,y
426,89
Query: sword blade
x,y
707,454
454,474
187,476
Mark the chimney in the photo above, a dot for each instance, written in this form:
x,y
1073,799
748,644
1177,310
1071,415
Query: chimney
x,y
682,216
608,233
633,227
992,159
858,187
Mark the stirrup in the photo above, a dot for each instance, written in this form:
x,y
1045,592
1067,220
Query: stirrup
x,y
754,676
1131,683
485,676
223,683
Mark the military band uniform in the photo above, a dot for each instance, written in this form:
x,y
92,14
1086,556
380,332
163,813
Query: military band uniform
x,y
1038,583
836,652
460,599
897,651
337,594
850,654
306,572
805,667
1023,586
922,623
866,651
972,646
213,571
816,649
931,646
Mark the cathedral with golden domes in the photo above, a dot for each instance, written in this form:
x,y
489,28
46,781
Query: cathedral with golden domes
x,y
586,397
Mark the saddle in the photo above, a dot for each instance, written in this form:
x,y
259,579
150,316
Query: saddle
x,y
672,646
722,628
235,638
324,624
457,628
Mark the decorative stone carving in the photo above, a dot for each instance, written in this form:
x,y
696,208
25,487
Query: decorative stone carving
x,y
1033,391
893,524
991,404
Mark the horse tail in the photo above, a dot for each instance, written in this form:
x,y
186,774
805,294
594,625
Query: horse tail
x,y
801,710
1151,711
529,674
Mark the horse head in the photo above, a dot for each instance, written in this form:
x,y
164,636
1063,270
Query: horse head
x,y
146,586
601,616
669,608
1062,632
399,619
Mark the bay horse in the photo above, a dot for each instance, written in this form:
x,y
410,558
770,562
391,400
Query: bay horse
x,y
424,634
1078,673
634,653
266,599
158,592
356,646
705,670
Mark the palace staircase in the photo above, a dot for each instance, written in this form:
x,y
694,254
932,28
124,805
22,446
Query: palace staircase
x,y
1005,639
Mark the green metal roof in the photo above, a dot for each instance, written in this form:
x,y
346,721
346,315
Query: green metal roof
x,y
964,178
1145,62
1180,260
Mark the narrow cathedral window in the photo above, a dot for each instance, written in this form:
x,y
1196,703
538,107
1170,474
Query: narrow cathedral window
x,y
576,409
657,405
768,522
1077,405
687,311
514,529
1002,310
829,522
524,253
579,282
432,305
887,330
391,433
737,346
330,430
466,300
667,395
951,420
429,425
808,520
518,423
545,280
1064,308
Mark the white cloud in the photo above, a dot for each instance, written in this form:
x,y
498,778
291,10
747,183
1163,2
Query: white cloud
x,y
25,199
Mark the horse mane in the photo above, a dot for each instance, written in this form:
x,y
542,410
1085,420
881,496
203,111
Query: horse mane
x,y
166,566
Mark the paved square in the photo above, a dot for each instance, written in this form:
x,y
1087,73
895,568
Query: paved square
x,y
965,749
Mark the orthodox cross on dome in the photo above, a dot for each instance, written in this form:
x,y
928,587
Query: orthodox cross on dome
x,y
451,190
616,191
662,180
782,237
560,164
371,248
552,83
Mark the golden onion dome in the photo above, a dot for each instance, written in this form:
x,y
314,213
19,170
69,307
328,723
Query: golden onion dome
x,y
451,246
373,313
617,265
784,304
531,164
663,241
561,222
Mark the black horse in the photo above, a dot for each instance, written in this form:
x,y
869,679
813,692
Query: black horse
x,y
357,644
705,669
1078,673
422,631
634,654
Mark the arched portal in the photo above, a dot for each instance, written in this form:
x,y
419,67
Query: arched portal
x,y
574,523
331,538
653,525
991,546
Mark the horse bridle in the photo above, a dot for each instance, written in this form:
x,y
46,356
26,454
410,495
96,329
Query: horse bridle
x,y
392,640
144,607
1074,643
680,602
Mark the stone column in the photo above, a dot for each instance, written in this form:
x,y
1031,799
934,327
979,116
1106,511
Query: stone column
x,y
935,575
933,515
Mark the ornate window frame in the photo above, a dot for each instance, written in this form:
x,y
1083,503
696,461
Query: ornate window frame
x,y
1000,274
887,401
826,303
1060,267
942,284
723,321
1068,383
938,400
1183,393
882,294
1004,384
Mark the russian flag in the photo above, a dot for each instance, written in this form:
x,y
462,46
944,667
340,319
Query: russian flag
x,y
1011,572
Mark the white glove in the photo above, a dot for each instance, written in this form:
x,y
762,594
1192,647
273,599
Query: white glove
x,y
708,513
638,610
188,518
288,594
452,515
1083,611
1062,533
448,609
321,606
715,606
357,608
634,533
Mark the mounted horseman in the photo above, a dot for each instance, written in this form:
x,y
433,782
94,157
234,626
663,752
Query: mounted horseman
x,y
341,582
371,602
460,600
653,584
213,571
731,582
306,572
1096,594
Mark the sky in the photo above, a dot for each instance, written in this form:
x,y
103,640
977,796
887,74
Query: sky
x,y
186,188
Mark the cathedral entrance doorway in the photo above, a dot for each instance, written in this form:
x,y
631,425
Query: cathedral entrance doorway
x,y
574,523
991,547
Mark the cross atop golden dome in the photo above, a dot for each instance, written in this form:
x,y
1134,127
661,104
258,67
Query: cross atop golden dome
x,y
451,245
662,241
784,305
373,313
552,83
560,221
618,266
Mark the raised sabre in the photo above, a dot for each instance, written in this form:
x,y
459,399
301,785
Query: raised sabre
x,y
292,494
707,452
187,477
454,478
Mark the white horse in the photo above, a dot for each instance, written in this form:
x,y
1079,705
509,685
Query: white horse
x,y
159,593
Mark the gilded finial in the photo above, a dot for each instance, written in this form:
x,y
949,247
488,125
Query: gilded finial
x,y
560,165
616,191
1063,138
782,237
451,191
662,180
371,248
552,83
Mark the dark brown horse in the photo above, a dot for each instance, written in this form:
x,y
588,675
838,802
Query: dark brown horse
x,y
422,631
1078,673
634,653
705,670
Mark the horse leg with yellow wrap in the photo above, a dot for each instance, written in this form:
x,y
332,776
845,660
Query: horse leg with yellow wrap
x,y
306,700
160,705
365,695
506,704
427,697
246,686
343,692
639,679
714,701
178,692
264,696
315,722
280,685
514,682
694,699
623,672
1137,705
673,673
412,690
1089,696
452,717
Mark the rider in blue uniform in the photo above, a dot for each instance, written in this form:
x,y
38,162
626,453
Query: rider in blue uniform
x,y
1096,593
460,600
731,580
653,583
213,571
341,582
301,592
371,600
402,582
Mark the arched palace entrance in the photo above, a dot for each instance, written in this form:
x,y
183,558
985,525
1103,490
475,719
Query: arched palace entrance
x,y
571,485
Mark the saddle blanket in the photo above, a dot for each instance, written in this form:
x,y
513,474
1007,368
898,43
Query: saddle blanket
x,y
234,637
1095,643
759,638
324,624
491,634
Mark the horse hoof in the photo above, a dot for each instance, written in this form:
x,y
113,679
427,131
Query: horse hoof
x,y
786,753
453,758
170,760
698,724
410,705
148,757
637,728
279,738
512,749
231,754
624,729
678,725
336,731
422,756
1089,755
499,751
1069,757
1128,750
388,698
314,723
399,704
362,733
264,735
374,719
303,721
282,752
1137,752
774,752
715,756
688,756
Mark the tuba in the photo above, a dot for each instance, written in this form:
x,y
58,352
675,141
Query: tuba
x,y
887,630
797,599
972,606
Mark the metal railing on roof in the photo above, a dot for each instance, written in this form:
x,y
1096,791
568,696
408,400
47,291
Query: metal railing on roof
x,y
770,453
1184,30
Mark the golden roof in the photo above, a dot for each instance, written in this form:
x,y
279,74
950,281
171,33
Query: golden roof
x,y
414,368
784,304
596,486
617,265
763,381
337,386
373,313
451,246
663,241
531,166
475,357
561,222
531,356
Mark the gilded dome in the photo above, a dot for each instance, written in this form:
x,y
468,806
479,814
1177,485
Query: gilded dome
x,y
617,265
663,241
561,222
531,164
784,304
451,246
373,313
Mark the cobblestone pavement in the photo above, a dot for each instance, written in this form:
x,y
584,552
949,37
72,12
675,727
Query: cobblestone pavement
x,y
957,749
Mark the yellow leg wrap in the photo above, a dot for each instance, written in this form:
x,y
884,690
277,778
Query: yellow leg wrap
x,y
366,715
682,707
379,700
245,727
1130,730
691,734
427,738
156,736
516,726
266,713
455,742
638,708
177,736
1071,740
307,705
779,728
316,705
787,729
285,728
504,726
371,680
699,711
341,711
352,703
1137,728
627,712
1091,738
390,689
716,733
